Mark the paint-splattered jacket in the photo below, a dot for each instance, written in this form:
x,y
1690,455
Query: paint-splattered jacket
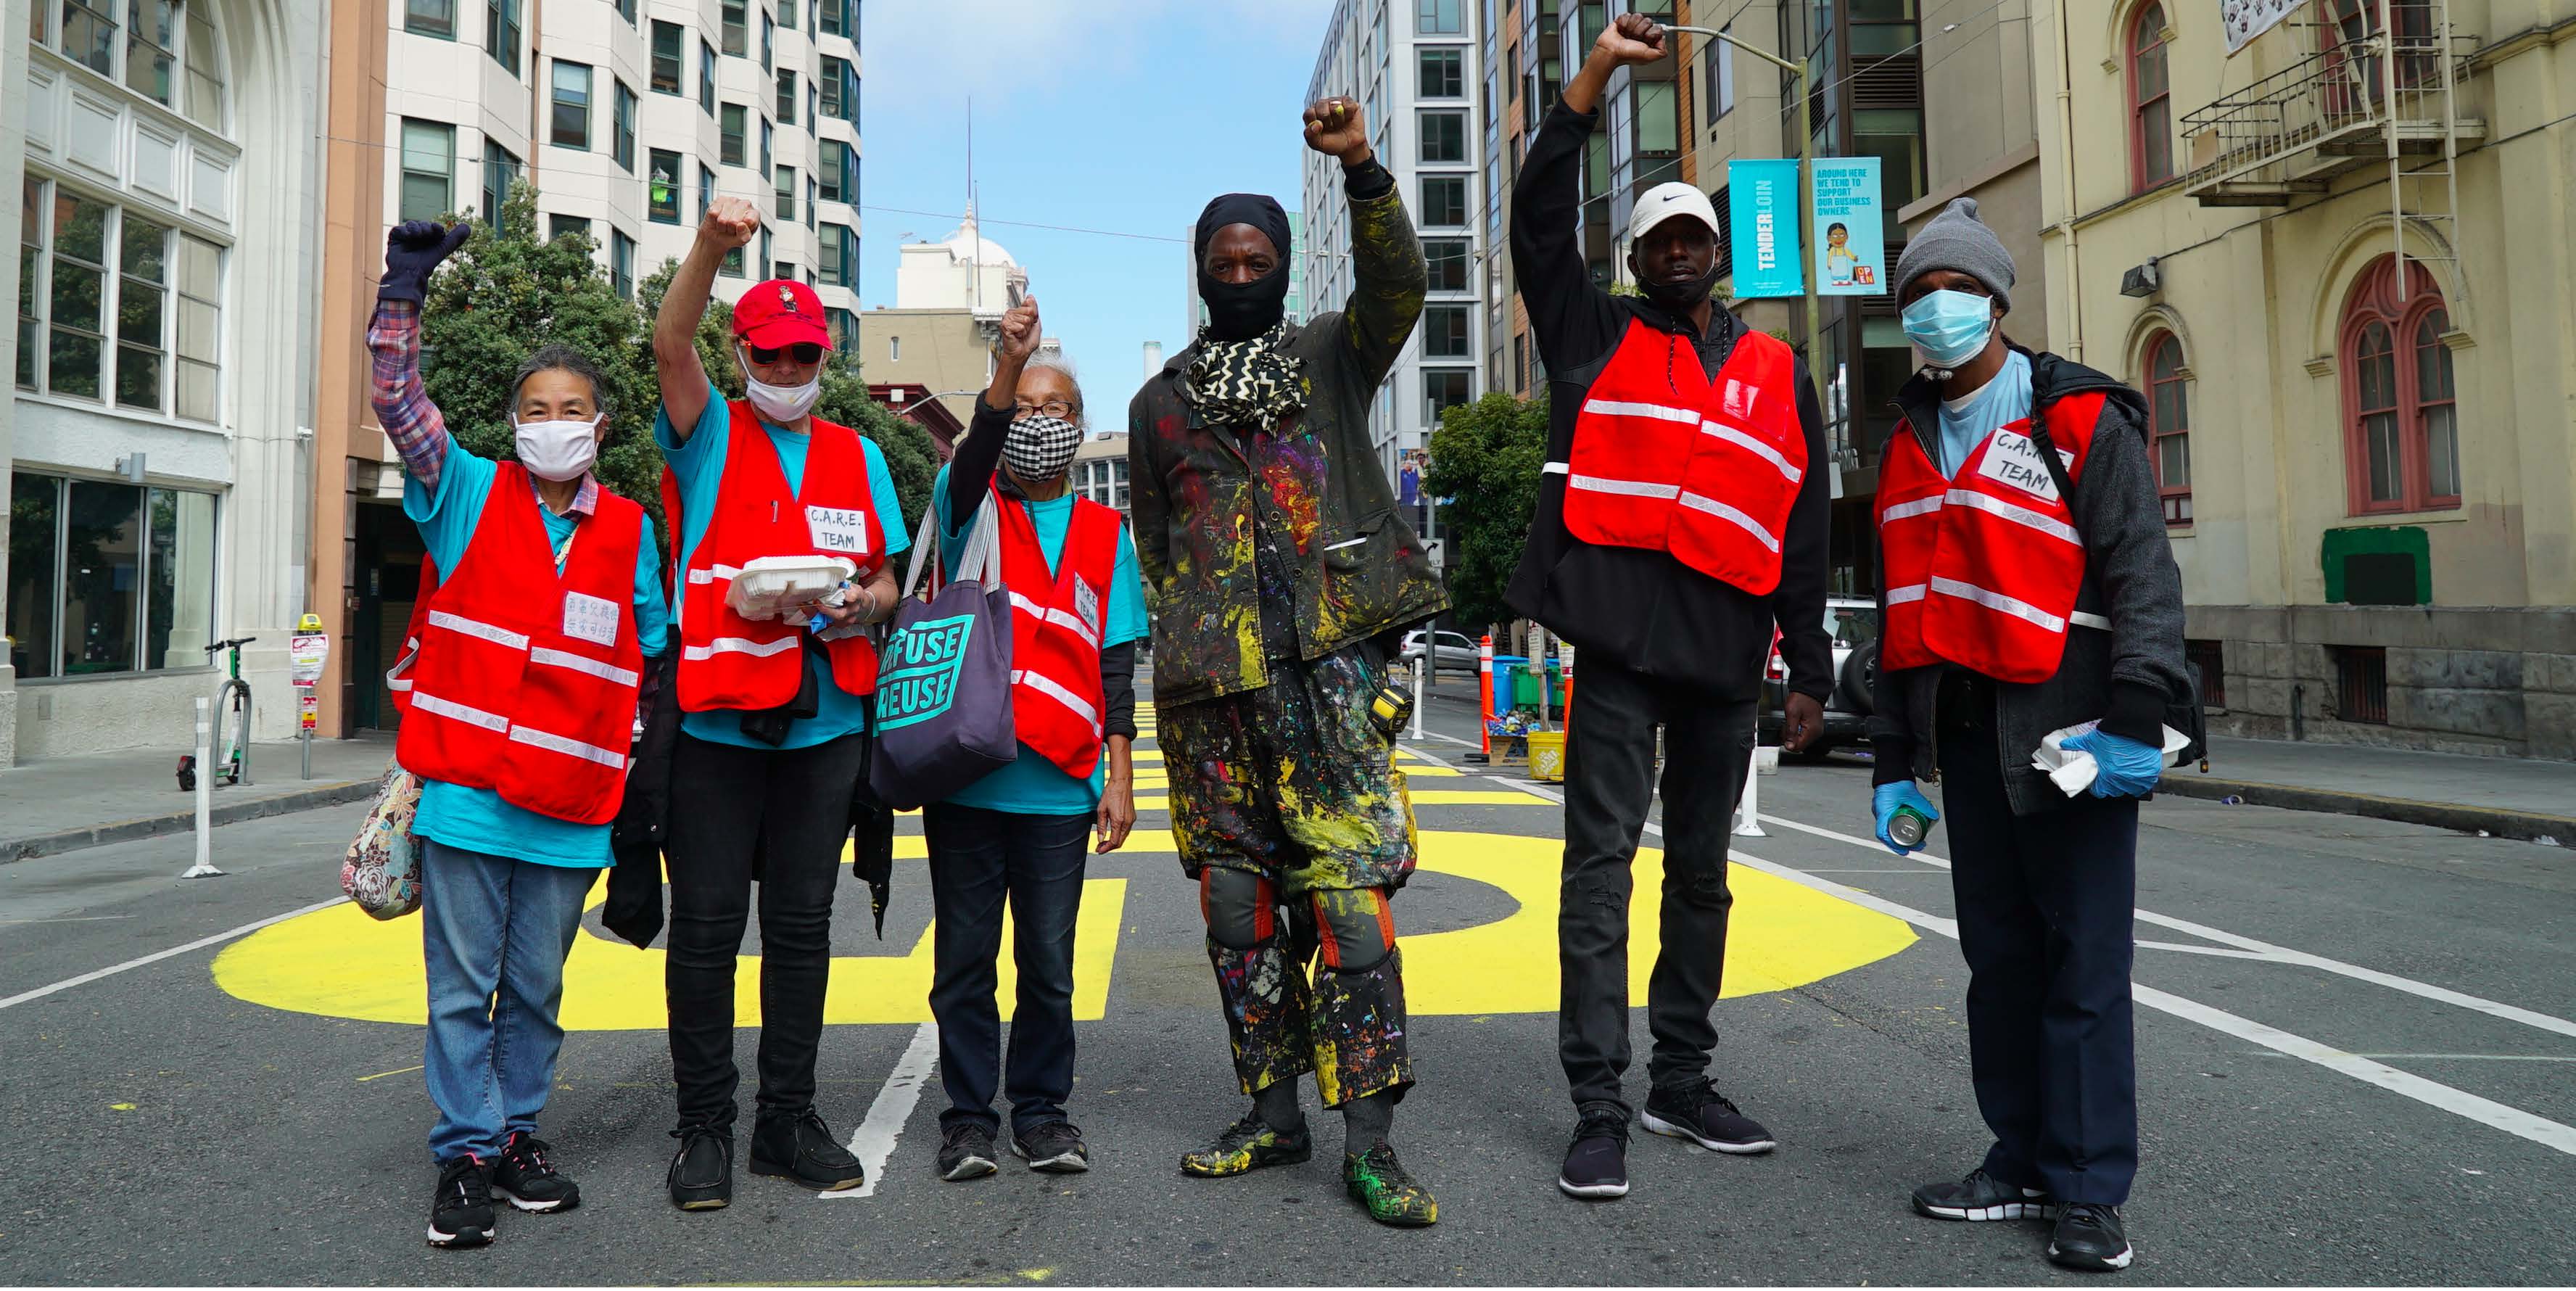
x,y
1199,491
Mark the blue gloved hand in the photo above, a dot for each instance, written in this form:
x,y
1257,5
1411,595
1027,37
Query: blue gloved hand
x,y
2122,767
413,250
1886,798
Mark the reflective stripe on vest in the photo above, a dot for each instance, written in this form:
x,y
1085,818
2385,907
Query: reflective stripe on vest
x,y
1058,619
1049,687
1065,619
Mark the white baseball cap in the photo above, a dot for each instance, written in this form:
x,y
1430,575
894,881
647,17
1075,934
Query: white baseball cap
x,y
1669,201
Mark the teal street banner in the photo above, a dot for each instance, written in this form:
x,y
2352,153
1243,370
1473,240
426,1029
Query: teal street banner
x,y
1851,241
1762,217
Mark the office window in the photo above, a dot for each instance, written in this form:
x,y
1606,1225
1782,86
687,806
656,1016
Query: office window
x,y
1444,332
105,578
204,62
2402,444
200,322
662,187
570,126
2169,426
706,77
1448,260
1439,17
787,14
894,349
835,73
1895,137
77,287
667,70
730,148
829,155
1444,388
621,264
786,188
736,27
787,94
150,44
626,9
142,299
733,264
765,258
622,122
500,170
31,259
1717,76
706,189
833,272
561,225
813,198
1659,126
2150,100
428,169
1444,136
1440,73
501,33
827,18
1444,200
768,41
425,18
768,144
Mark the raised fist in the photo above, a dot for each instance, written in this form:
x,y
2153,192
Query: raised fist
x,y
730,222
413,251
1634,38
1335,128
1020,331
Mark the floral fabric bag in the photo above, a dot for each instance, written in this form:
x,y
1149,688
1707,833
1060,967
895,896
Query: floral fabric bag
x,y
381,871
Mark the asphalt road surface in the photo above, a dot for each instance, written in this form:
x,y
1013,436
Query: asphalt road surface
x,y
2355,1055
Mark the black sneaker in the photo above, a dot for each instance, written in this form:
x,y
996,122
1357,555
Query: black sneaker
x,y
1981,1197
1055,1147
965,1152
802,1148
2089,1237
460,1212
528,1180
1247,1145
1596,1163
1698,1113
702,1174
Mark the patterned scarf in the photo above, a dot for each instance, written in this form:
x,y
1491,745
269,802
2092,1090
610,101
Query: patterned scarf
x,y
1253,382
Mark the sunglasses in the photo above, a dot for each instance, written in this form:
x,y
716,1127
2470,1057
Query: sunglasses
x,y
802,352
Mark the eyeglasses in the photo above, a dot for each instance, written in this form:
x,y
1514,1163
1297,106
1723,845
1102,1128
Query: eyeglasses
x,y
1056,408
802,352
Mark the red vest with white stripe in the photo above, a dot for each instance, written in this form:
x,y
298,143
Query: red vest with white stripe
x,y
526,678
398,677
1668,460
731,662
1983,567
1056,623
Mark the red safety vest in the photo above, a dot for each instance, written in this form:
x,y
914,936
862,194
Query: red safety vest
x,y
1056,624
398,677
728,661
1668,460
1982,567
527,677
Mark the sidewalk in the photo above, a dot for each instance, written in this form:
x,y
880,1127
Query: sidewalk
x,y
2508,797
66,803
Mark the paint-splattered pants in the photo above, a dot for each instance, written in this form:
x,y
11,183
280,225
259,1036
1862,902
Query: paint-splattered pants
x,y
1285,799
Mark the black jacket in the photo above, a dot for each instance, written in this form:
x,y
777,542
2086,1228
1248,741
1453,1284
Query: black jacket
x,y
1636,609
2124,677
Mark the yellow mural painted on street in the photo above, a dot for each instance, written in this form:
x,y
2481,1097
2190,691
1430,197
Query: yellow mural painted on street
x,y
338,962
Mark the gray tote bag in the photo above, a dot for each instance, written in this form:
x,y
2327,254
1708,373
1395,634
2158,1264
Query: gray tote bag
x,y
943,701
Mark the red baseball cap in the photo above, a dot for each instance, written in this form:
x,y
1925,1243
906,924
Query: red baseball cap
x,y
781,311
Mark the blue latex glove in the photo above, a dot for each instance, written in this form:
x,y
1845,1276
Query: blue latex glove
x,y
2123,768
413,250
1886,798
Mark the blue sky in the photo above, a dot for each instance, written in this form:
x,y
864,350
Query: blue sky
x,y
1123,115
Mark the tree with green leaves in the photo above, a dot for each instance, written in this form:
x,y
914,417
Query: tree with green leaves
x,y
1485,461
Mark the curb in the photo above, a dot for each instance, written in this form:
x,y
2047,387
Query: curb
x,y
180,822
2502,822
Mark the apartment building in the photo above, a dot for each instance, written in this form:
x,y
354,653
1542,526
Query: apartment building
x,y
1417,72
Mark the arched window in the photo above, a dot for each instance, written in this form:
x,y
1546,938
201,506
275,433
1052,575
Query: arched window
x,y
2150,100
2169,426
2401,409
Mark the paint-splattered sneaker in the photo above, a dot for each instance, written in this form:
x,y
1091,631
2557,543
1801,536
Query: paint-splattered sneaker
x,y
1248,1145
1377,1181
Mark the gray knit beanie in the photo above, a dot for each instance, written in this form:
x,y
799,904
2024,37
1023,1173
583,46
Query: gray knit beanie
x,y
1955,239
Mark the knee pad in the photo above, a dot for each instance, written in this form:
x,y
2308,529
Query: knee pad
x,y
1240,907
1356,928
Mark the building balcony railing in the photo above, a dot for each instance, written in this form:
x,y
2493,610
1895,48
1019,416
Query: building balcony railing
x,y
2293,131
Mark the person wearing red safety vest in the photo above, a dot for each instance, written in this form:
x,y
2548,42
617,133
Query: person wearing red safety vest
x,y
1681,522
773,713
519,687
1018,835
2025,586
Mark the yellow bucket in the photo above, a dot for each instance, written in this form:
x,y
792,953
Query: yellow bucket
x,y
1547,756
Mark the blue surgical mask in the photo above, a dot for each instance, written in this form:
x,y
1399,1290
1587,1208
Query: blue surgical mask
x,y
1950,327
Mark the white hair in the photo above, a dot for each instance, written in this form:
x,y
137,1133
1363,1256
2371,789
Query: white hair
x,y
1059,364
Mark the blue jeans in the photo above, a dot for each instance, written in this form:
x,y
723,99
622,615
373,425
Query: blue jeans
x,y
494,933
977,857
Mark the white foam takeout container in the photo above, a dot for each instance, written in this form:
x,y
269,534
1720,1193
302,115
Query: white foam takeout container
x,y
775,587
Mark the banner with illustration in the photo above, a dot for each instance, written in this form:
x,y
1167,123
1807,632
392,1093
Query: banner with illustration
x,y
2243,20
1850,235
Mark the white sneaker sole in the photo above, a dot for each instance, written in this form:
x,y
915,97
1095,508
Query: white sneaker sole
x,y
1060,1163
1672,1130
458,1241
1591,1191
970,1168
1983,1214
2111,1265
522,1203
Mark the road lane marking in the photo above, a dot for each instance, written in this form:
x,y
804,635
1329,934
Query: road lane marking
x,y
2222,952
874,1140
2452,1057
159,955
382,1074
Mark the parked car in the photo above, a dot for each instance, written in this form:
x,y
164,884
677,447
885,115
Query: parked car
x,y
1453,651
1853,625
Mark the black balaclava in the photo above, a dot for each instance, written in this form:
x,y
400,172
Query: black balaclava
x,y
1241,311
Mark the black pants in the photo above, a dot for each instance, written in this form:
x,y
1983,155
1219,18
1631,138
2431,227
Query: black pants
x,y
778,816
2045,908
977,859
1609,784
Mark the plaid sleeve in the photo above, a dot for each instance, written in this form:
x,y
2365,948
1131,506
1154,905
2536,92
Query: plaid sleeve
x,y
402,405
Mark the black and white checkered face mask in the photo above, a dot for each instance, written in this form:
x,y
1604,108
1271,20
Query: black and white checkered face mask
x,y
1040,447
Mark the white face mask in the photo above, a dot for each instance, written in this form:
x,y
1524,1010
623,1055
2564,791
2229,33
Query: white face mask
x,y
779,403
557,450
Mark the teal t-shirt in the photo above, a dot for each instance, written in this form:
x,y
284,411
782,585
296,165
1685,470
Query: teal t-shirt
x,y
1030,785
477,820
699,464
1968,420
